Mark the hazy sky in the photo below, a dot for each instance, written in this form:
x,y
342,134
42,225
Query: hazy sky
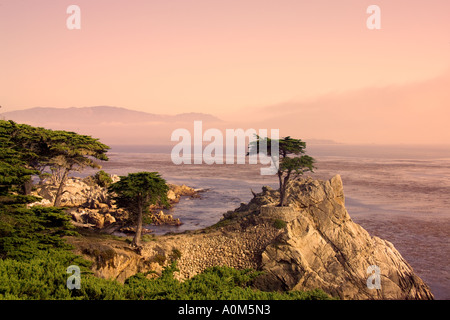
x,y
230,58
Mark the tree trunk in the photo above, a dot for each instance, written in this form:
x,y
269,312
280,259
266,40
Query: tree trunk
x,y
26,187
137,235
282,196
279,173
283,188
59,192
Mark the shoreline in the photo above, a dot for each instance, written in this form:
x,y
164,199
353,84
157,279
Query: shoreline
x,y
247,236
386,191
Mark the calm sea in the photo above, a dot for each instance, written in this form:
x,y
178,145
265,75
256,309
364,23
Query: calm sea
x,y
398,193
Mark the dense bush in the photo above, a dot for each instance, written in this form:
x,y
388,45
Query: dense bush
x,y
26,232
215,283
102,178
45,277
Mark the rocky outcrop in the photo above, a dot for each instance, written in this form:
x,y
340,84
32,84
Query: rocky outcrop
x,y
91,217
90,205
159,218
77,193
321,247
176,192
312,243
115,260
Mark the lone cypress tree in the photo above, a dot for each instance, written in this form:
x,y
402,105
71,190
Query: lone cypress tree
x,y
135,193
293,162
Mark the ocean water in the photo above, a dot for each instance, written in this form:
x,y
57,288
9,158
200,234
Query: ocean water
x,y
398,193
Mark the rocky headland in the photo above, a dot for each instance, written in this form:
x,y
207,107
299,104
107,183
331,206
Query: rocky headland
x,y
312,243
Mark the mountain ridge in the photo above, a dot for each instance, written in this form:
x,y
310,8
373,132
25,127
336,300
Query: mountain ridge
x,y
112,125
88,114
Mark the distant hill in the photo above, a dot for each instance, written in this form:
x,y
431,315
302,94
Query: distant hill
x,y
112,125
96,115
124,127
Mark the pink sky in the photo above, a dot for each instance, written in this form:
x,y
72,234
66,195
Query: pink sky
x,y
236,58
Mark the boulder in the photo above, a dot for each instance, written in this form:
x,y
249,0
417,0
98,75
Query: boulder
x,y
78,215
172,196
159,218
42,203
183,190
109,219
95,218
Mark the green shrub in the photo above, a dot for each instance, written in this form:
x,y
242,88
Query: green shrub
x,y
35,258
215,283
103,179
279,224
159,258
175,255
25,232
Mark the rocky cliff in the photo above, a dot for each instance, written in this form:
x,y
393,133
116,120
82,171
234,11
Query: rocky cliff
x,y
312,243
321,247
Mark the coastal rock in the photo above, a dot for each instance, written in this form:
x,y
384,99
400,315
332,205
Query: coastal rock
x,y
159,218
323,248
312,243
77,193
172,196
132,230
78,215
176,192
109,219
114,261
98,209
95,218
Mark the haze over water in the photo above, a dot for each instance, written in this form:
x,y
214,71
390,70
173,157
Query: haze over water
x,y
398,193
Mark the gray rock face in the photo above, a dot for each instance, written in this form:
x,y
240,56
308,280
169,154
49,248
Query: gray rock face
x,y
76,193
323,248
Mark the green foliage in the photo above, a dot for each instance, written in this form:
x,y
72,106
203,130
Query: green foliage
x,y
136,192
215,283
44,277
26,150
72,151
103,179
279,224
41,277
37,148
13,160
175,255
292,161
24,232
